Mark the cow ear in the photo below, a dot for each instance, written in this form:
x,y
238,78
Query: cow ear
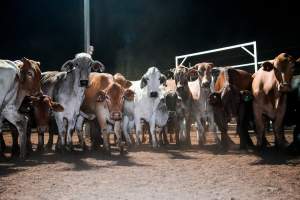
x,y
143,82
267,66
68,66
97,66
56,107
101,96
163,80
129,95
170,73
128,84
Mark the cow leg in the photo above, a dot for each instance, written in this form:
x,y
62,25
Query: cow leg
x,y
152,131
28,134
40,146
70,131
125,127
15,150
212,128
165,137
50,141
200,133
138,130
280,140
106,144
20,122
188,131
79,131
118,134
2,143
260,128
61,125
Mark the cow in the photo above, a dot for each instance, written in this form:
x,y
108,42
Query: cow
x,y
38,111
232,98
293,110
201,89
269,87
174,108
104,98
67,88
18,79
148,95
195,96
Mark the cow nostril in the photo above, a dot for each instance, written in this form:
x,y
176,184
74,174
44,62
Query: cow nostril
x,y
154,94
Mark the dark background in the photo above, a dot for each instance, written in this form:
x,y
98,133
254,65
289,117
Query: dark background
x,y
130,36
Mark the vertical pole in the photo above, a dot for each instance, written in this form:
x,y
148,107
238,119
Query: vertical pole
x,y
176,62
255,56
87,26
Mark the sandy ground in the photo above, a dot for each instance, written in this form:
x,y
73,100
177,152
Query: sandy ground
x,y
143,173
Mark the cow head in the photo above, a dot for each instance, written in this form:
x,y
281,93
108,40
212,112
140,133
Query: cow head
x,y
43,108
204,73
170,73
119,78
181,76
113,98
283,66
173,101
82,65
152,80
30,76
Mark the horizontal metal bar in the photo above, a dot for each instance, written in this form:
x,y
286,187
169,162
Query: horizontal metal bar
x,y
247,64
216,50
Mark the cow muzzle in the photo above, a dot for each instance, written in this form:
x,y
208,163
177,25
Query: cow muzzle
x,y
205,84
84,83
153,94
116,116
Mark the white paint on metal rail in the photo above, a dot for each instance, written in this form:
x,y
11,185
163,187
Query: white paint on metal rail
x,y
243,46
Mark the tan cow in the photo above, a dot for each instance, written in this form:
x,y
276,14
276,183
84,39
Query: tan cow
x,y
270,85
104,98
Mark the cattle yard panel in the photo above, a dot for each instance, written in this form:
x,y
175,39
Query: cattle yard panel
x,y
243,46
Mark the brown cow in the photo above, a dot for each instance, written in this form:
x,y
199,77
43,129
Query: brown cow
x,y
38,111
104,98
270,85
232,99
18,79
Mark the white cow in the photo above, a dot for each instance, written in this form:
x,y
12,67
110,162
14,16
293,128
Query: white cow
x,y
148,95
17,80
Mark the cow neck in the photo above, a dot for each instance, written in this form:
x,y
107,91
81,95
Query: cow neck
x,y
186,95
73,81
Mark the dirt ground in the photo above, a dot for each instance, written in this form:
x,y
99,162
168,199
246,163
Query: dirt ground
x,y
144,173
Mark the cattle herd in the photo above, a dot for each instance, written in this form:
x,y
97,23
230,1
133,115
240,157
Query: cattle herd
x,y
80,95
